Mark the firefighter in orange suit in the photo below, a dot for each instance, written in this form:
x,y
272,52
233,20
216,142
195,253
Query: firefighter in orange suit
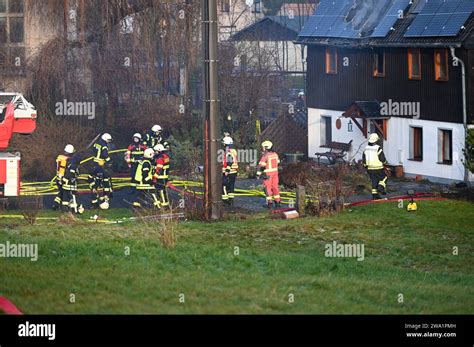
x,y
230,168
268,170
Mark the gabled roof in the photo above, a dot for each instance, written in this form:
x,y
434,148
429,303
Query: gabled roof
x,y
396,35
272,28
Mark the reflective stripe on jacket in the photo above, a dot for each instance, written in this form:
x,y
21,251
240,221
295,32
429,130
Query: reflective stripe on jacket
x,y
144,175
372,158
162,167
269,163
231,163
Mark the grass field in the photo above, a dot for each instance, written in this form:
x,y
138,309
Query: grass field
x,y
409,254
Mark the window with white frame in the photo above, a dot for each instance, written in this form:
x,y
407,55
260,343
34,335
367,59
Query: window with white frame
x,y
445,146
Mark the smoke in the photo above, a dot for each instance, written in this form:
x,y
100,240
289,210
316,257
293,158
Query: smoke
x,y
365,14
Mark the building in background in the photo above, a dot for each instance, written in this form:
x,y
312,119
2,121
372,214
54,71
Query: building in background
x,y
393,72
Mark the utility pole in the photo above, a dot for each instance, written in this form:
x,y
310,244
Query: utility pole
x,y
212,127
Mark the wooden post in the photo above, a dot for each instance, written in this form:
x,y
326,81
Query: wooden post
x,y
301,199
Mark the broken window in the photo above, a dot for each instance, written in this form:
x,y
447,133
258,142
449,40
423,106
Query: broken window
x,y
441,65
379,64
414,64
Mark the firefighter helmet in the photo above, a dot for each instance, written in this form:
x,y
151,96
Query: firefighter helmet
x,y
69,149
149,153
137,136
227,140
107,137
157,129
159,148
105,205
374,138
267,145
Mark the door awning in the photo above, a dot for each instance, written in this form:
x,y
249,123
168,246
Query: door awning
x,y
368,112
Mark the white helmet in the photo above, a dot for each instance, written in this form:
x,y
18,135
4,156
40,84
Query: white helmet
x,y
107,137
374,138
149,153
105,205
156,129
159,148
228,141
137,135
69,149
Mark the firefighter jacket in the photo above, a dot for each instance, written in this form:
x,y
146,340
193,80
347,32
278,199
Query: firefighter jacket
x,y
61,164
374,157
144,175
162,167
134,153
71,175
101,153
230,163
269,164
151,140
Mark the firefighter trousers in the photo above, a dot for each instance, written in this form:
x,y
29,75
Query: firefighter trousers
x,y
228,187
378,179
271,189
162,192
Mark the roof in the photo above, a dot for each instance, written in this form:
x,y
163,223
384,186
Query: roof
x,y
396,35
265,27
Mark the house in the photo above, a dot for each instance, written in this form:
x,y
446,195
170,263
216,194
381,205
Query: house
x,y
275,34
234,15
395,68
20,39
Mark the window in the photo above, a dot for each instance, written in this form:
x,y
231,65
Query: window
x,y
441,65
11,21
225,6
12,35
257,7
416,145
445,146
326,131
414,64
331,61
379,64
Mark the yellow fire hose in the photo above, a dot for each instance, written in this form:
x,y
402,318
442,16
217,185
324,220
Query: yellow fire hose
x,y
49,188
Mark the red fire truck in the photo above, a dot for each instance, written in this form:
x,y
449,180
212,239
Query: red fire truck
x,y
17,116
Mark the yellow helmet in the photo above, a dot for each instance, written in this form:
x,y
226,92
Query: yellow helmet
x,y
412,207
267,145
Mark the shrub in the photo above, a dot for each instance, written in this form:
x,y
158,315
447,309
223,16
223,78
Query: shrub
x,y
30,206
39,150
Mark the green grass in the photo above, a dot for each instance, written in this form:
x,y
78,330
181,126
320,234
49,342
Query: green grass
x,y
409,254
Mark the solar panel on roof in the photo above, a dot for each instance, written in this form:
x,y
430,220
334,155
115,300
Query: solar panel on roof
x,y
441,18
389,20
324,11
329,19
454,25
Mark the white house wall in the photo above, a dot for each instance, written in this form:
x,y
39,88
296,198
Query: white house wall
x,y
397,146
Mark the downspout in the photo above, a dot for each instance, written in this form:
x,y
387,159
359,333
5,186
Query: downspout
x,y
464,103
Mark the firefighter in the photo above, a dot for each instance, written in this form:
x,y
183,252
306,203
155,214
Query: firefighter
x,y
144,179
153,137
268,170
100,177
70,184
230,169
161,175
374,161
61,165
133,155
